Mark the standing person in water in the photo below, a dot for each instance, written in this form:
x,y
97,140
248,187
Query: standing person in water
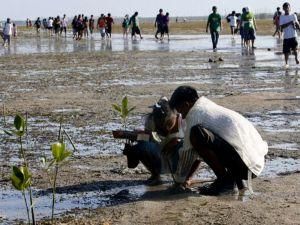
x,y
289,23
249,23
91,24
109,22
125,26
276,18
64,25
166,21
159,24
232,18
37,25
101,25
135,27
215,26
7,32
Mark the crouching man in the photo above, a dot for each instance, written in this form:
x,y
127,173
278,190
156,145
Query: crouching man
x,y
224,139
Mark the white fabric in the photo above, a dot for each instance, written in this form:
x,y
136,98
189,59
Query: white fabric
x,y
233,20
290,31
64,23
50,23
232,127
8,29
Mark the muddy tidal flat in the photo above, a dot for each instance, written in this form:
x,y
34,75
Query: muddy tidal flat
x,y
50,77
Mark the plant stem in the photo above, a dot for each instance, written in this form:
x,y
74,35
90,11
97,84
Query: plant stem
x,y
72,143
53,192
28,217
22,152
31,205
4,120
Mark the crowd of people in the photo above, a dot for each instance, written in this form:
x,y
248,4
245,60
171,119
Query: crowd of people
x,y
244,23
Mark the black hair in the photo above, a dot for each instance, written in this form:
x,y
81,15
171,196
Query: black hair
x,y
286,4
183,94
159,117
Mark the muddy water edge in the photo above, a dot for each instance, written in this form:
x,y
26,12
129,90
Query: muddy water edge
x,y
82,86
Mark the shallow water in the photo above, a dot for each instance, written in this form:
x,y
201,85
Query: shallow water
x,y
44,44
240,72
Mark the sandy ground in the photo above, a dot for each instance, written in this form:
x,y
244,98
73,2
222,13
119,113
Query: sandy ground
x,y
89,82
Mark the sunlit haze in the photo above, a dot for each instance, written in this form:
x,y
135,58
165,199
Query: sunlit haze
x,y
20,9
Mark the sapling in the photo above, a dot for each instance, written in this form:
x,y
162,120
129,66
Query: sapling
x,y
123,110
20,125
60,155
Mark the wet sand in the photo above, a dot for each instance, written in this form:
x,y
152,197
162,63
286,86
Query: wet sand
x,y
81,82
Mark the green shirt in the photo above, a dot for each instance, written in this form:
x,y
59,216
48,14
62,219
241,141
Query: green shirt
x,y
214,20
247,20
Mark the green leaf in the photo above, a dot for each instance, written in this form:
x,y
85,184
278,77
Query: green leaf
x,y
21,178
19,123
125,103
117,108
57,150
131,109
18,173
8,132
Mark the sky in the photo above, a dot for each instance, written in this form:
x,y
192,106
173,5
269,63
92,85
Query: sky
x,y
22,9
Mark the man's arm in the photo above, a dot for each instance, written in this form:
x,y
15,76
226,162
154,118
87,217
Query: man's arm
x,y
208,22
254,23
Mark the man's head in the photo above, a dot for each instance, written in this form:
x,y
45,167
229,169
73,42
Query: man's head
x,y
214,9
278,8
183,99
8,20
160,10
286,7
136,13
233,13
108,14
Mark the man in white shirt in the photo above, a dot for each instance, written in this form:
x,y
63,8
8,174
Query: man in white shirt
x,y
225,140
7,32
289,23
64,25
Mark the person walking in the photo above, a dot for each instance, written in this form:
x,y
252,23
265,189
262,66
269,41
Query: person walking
x,y
159,23
215,26
289,23
249,25
64,25
101,25
125,26
109,22
7,32
135,27
232,18
91,24
37,25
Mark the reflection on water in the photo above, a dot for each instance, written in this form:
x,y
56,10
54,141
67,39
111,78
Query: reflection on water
x,y
45,44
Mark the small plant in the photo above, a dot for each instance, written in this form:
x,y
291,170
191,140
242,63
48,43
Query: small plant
x,y
60,155
123,110
21,180
21,177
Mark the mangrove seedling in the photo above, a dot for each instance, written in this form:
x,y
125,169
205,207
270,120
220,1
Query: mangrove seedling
x,y
123,110
20,127
21,180
60,155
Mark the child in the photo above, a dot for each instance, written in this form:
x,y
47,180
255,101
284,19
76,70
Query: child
x,y
289,23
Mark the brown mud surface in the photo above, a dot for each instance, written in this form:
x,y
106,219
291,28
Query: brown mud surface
x,y
84,85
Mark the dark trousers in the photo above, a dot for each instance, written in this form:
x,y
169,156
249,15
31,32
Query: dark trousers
x,y
218,153
214,38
